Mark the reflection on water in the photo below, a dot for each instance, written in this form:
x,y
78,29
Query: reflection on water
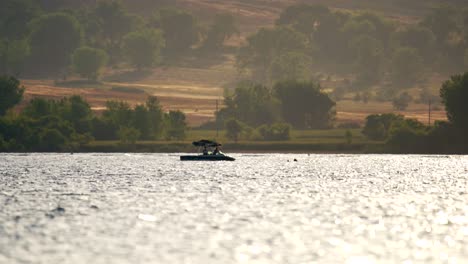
x,y
125,208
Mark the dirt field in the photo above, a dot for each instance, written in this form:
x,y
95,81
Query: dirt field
x,y
199,103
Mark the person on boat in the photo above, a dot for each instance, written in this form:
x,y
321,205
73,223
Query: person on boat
x,y
205,150
216,151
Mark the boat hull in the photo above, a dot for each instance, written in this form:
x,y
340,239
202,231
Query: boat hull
x,y
207,158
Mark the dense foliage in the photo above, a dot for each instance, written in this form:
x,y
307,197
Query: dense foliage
x,y
10,93
88,62
302,104
409,135
38,38
68,123
454,94
374,49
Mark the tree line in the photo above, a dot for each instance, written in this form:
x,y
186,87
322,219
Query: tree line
x,y
68,123
407,135
36,41
256,111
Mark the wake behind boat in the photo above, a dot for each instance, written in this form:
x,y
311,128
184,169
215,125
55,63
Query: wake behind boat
x,y
210,152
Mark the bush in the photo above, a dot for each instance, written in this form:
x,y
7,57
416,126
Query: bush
x,y
11,93
348,136
377,127
407,66
233,129
128,135
175,125
88,62
275,132
401,102
52,140
408,135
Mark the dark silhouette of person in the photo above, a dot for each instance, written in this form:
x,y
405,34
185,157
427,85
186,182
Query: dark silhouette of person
x,y
216,151
205,151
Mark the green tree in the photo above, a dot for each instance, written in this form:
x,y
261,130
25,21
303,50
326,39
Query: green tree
x,y
348,136
454,94
233,129
275,132
114,22
223,27
265,46
120,114
128,135
143,47
304,18
77,111
10,93
420,38
52,140
89,61
290,66
407,66
402,101
304,105
142,121
54,38
408,135
15,16
175,125
155,116
251,103
369,60
180,28
13,56
38,107
442,21
378,126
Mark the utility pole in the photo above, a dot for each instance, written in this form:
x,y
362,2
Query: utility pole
x,y
216,120
429,110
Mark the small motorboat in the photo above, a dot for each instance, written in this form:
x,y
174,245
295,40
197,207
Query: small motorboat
x,y
210,152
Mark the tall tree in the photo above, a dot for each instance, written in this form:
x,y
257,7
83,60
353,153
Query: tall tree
x,y
10,93
223,27
369,61
15,16
13,56
175,125
156,116
265,46
251,103
233,129
304,105
407,67
180,28
454,94
290,66
416,37
303,17
114,23
89,61
54,38
143,47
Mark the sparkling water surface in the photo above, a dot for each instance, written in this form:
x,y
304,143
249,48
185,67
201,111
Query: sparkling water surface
x,y
265,208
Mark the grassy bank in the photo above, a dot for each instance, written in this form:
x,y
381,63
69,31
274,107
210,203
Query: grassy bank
x,y
305,141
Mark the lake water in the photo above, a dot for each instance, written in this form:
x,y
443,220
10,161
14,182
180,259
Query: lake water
x,y
153,208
